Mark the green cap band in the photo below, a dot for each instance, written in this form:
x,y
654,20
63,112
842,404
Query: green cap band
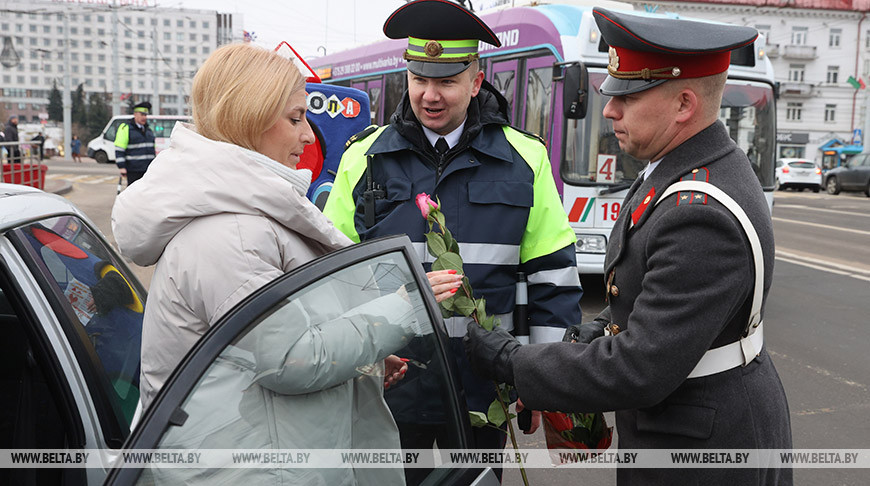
x,y
140,109
427,50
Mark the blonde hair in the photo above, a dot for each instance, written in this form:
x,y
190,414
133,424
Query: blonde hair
x,y
240,91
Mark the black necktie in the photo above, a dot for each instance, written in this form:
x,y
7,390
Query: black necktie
x,y
441,146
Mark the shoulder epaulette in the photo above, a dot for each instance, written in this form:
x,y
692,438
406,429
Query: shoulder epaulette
x,y
361,135
531,135
699,174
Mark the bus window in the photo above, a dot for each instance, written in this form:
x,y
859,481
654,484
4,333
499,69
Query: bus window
x,y
395,85
504,79
747,111
592,139
374,88
539,96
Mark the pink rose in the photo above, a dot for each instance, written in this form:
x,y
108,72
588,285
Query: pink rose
x,y
426,204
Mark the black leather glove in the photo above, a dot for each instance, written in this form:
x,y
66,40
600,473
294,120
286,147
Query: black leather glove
x,y
490,352
584,333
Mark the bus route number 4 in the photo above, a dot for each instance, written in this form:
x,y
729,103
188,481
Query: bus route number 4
x,y
606,168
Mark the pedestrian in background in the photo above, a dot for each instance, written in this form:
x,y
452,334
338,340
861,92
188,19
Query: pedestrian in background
x,y
687,272
39,138
134,144
76,146
11,135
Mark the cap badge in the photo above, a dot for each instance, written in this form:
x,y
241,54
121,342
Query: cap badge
x,y
676,72
433,48
614,60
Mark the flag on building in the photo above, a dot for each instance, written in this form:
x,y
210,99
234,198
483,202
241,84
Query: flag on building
x,y
856,83
861,82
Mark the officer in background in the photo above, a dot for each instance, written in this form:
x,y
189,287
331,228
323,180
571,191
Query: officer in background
x,y
134,144
682,276
451,137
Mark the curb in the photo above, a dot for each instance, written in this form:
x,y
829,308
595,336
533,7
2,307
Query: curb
x,y
58,187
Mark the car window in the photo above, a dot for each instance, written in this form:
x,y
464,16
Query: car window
x,y
307,374
802,164
112,130
857,161
101,309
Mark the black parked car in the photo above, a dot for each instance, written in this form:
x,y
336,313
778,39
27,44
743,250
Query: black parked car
x,y
854,176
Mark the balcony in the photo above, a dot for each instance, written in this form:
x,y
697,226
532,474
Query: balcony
x,y
772,50
799,52
792,89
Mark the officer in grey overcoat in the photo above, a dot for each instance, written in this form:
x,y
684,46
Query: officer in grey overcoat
x,y
683,363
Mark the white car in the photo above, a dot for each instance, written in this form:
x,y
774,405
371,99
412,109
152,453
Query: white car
x,y
71,313
798,174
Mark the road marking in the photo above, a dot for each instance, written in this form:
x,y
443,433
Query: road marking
x,y
798,206
816,264
825,226
823,372
84,179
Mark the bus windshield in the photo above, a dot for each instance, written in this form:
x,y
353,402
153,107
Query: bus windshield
x,y
591,154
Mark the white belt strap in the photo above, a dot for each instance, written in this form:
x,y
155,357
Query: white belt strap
x,y
742,352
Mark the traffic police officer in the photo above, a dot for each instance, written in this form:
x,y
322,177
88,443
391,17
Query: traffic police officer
x,y
450,137
134,144
687,270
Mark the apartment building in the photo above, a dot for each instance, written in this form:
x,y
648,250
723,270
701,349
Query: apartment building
x,y
159,50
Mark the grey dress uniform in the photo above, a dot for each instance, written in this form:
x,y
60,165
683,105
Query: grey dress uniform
x,y
680,283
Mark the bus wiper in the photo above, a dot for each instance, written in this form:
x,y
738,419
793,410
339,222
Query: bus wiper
x,y
617,188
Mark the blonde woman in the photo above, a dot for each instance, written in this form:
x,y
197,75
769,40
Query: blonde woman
x,y
222,212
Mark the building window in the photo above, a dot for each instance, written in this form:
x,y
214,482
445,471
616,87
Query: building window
x,y
167,86
793,111
101,32
89,44
193,49
87,31
128,84
179,24
101,19
46,29
204,24
89,56
74,30
799,35
830,112
140,21
833,72
193,37
167,36
33,28
101,70
180,49
140,46
166,23
796,72
128,46
834,37
89,70
179,36
101,57
193,24
74,56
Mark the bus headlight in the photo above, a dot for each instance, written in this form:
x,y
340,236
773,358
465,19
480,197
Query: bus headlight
x,y
591,244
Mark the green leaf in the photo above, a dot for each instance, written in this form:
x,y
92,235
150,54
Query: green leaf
x,y
439,216
480,307
495,414
447,314
452,244
478,419
488,323
448,303
463,305
448,261
435,244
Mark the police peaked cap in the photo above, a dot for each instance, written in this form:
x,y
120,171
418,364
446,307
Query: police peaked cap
x,y
143,107
647,51
442,36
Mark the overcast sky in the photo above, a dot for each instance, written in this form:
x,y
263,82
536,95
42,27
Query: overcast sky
x,y
310,26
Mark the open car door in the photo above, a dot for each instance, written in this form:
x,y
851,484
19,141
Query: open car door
x,y
298,365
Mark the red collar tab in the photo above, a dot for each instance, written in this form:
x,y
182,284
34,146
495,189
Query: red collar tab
x,y
635,216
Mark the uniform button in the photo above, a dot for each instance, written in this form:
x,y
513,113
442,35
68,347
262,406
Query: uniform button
x,y
614,290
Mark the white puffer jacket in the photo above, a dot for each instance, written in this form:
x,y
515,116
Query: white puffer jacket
x,y
219,225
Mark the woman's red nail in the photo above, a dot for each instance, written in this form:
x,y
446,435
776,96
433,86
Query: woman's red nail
x,y
451,271
453,291
404,360
403,371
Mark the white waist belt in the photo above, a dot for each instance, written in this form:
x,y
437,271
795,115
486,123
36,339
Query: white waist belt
x,y
731,355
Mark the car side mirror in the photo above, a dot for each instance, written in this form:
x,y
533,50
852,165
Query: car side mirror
x,y
575,90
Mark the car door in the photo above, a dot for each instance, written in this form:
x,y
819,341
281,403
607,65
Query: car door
x,y
71,315
850,179
298,366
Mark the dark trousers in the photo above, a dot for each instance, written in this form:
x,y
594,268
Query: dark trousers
x,y
133,176
423,436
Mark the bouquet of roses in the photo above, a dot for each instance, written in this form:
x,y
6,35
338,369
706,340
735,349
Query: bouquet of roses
x,y
562,430
444,248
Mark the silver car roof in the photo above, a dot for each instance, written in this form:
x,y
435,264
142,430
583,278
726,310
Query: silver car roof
x,y
22,204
